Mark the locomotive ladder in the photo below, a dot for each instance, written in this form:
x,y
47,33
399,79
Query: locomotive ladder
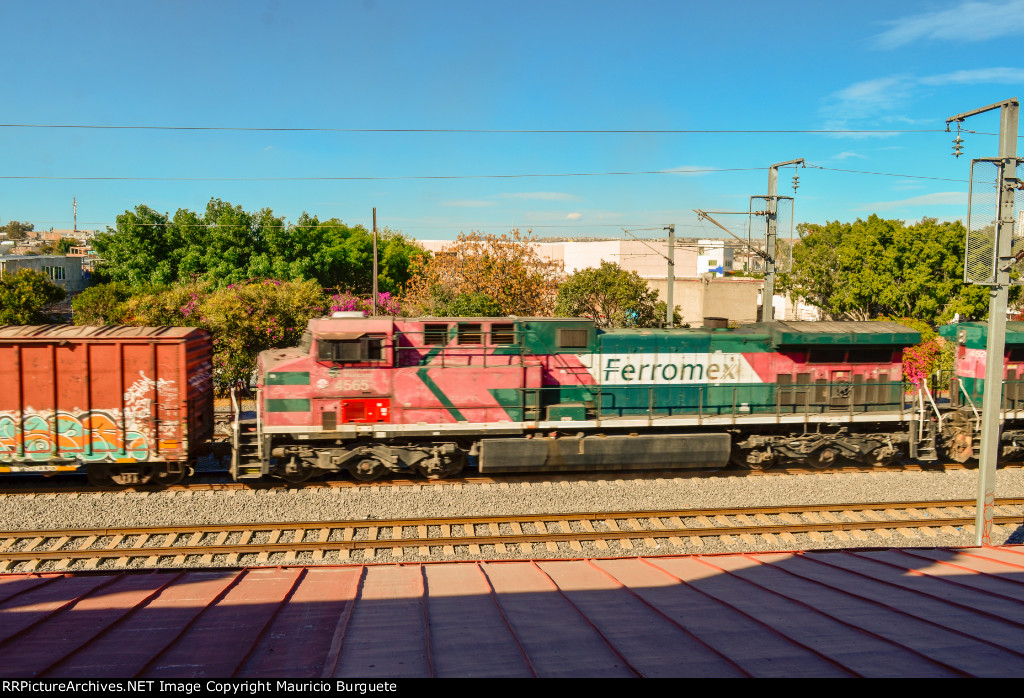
x,y
246,455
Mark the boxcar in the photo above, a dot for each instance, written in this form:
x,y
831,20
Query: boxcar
x,y
125,405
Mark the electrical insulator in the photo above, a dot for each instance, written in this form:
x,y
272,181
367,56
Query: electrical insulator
x,y
796,181
957,147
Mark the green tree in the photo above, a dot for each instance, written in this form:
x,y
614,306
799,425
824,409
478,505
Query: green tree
x,y
611,296
102,305
24,297
226,245
143,250
878,267
16,230
244,318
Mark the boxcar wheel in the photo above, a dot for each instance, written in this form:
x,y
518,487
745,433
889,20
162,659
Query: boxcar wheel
x,y
98,475
168,478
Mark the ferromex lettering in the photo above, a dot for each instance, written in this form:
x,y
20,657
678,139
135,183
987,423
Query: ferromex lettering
x,y
671,369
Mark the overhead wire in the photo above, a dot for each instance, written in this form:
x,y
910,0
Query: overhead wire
x,y
271,129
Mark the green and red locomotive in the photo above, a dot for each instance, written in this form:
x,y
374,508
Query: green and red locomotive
x,y
432,395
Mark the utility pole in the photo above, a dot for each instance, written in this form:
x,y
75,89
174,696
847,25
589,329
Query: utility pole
x,y
669,293
74,209
374,260
998,298
671,259
767,296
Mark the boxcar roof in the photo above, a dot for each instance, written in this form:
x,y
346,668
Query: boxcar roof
x,y
51,332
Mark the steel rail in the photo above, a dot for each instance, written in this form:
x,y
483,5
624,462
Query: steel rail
x,y
507,539
510,518
299,545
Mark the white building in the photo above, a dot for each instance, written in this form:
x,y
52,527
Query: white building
x,y
66,272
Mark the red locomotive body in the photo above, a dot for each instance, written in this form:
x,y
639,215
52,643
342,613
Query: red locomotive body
x,y
128,405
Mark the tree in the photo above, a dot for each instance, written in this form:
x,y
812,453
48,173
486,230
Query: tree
x,y
611,296
142,250
16,230
505,269
244,318
878,267
101,305
24,296
226,245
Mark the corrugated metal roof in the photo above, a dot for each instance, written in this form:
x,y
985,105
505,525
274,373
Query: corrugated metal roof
x,y
975,334
798,332
898,612
51,332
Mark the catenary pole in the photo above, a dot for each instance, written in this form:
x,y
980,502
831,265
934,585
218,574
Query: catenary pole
x,y
374,260
671,276
768,295
998,295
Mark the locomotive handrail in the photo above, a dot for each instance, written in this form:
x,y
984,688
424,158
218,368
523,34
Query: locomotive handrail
x,y
259,429
969,401
234,433
935,407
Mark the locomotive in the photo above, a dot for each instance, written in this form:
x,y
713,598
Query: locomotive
x,y
375,396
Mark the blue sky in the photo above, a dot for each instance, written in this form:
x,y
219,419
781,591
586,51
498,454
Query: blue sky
x,y
498,66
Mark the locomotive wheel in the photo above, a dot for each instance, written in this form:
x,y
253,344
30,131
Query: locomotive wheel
x,y
825,458
449,465
961,447
754,459
367,470
296,471
959,437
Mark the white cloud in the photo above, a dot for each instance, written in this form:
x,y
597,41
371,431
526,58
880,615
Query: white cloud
x,y
846,154
869,97
468,203
541,196
689,170
574,216
971,77
907,184
882,102
968,21
946,198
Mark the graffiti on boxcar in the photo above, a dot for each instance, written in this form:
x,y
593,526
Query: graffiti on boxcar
x,y
88,436
138,404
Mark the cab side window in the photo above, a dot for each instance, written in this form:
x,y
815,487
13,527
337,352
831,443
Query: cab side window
x,y
350,350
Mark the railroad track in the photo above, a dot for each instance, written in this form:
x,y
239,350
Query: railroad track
x,y
610,533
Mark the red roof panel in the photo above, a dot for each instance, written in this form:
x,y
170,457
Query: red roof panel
x,y
897,612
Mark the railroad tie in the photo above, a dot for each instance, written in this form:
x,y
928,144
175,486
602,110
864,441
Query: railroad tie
x,y
421,533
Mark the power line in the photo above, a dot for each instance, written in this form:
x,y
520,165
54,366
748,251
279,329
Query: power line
x,y
482,176
886,174
363,178
152,127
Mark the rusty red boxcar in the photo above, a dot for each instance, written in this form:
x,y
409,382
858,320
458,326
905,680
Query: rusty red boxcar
x,y
126,405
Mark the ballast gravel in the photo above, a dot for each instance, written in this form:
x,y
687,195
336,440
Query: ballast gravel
x,y
616,493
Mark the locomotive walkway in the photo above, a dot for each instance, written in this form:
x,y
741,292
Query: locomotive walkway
x,y
482,537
